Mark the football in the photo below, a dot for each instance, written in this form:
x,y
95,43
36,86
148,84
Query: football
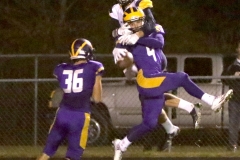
x,y
126,61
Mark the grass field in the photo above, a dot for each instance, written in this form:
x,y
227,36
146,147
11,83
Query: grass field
x,y
133,152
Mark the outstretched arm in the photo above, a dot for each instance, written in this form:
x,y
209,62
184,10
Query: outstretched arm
x,y
150,22
152,42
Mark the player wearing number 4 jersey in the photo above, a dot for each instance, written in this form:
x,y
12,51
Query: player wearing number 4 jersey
x,y
80,81
153,82
116,14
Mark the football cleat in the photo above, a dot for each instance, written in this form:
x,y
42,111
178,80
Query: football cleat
x,y
117,150
196,115
168,140
219,100
198,105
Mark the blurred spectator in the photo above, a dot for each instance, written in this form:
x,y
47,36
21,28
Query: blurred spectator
x,y
234,102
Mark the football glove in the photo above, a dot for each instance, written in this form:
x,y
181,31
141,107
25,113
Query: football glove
x,y
159,28
123,30
128,39
118,54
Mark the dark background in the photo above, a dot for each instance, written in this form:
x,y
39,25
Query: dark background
x,y
49,26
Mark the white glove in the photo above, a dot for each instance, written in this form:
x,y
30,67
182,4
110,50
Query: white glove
x,y
128,39
123,30
118,54
159,28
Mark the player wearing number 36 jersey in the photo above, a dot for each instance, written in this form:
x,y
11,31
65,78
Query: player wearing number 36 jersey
x,y
77,81
80,81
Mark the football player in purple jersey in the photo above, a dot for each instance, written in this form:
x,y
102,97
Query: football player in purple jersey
x,y
153,82
80,81
116,14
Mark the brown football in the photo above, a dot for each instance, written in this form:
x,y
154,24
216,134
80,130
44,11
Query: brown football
x,y
126,61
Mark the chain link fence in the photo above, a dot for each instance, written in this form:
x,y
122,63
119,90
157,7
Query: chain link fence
x,y
26,83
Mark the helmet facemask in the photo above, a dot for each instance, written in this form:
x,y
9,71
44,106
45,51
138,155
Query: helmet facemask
x,y
136,25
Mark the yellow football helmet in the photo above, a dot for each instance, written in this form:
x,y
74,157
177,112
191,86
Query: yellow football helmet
x,y
133,14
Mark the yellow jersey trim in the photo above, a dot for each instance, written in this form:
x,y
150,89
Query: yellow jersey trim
x,y
148,82
84,134
54,120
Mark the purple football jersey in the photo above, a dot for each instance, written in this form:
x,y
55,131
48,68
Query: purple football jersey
x,y
77,82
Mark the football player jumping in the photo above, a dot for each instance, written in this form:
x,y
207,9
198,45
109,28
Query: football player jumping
x,y
127,36
153,82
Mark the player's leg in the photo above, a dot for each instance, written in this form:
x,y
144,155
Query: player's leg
x,y
151,109
167,124
180,79
171,131
176,102
55,136
78,126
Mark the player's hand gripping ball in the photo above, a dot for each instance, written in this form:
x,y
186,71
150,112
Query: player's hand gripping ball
x,y
126,60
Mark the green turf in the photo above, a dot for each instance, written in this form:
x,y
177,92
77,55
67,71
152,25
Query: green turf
x,y
133,151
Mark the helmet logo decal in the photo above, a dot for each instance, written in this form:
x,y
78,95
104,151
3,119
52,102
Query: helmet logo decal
x,y
79,49
133,14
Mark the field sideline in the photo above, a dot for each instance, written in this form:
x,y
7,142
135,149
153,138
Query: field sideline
x,y
133,152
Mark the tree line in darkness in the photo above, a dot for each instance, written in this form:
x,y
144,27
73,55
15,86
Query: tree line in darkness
x,y
49,26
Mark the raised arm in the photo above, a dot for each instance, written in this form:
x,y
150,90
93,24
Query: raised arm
x,y
152,42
